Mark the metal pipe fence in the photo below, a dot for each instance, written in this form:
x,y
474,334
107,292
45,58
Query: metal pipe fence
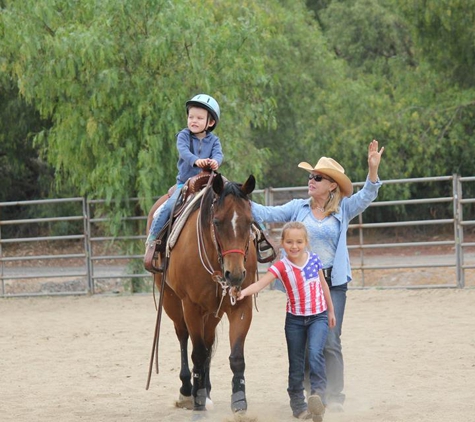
x,y
86,259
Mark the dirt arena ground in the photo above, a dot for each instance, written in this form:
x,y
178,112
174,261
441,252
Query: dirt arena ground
x,y
410,357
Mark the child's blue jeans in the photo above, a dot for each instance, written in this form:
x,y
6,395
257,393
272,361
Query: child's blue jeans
x,y
163,214
300,330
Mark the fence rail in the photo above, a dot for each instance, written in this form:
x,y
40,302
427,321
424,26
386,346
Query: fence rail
x,y
97,263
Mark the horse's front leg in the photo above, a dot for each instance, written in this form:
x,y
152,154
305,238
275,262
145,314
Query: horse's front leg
x,y
200,357
239,323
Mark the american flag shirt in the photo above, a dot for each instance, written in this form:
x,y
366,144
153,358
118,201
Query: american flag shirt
x,y
302,284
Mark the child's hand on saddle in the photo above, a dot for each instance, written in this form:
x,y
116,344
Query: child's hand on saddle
x,y
202,162
213,164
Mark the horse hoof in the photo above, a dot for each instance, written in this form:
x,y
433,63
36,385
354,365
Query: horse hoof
x,y
209,404
238,402
198,416
185,402
240,408
201,400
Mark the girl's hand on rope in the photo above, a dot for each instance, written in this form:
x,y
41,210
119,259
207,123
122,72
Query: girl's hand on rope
x,y
241,294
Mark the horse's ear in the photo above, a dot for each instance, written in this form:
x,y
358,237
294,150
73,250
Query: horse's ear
x,y
218,184
249,185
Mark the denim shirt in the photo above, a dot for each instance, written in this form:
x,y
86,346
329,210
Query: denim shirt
x,y
298,209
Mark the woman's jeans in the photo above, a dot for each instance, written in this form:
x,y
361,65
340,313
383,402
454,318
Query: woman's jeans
x,y
298,331
332,352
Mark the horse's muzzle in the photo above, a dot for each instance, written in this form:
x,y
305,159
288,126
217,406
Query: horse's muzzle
x,y
234,278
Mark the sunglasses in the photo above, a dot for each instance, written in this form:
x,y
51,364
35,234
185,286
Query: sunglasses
x,y
318,177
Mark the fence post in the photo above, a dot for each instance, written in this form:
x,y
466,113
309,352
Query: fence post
x,y
268,197
1,256
458,231
87,244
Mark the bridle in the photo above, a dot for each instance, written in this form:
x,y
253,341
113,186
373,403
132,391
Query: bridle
x,y
219,245
217,276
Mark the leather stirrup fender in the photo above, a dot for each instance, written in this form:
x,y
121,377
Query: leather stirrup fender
x,y
151,257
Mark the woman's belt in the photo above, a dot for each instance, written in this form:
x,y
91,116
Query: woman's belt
x,y
327,273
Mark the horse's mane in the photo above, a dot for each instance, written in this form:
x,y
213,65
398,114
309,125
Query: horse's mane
x,y
230,188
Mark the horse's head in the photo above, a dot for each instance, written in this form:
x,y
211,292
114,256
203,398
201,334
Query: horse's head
x,y
231,222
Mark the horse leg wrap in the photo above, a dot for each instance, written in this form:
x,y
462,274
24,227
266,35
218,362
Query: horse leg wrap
x,y
238,401
200,399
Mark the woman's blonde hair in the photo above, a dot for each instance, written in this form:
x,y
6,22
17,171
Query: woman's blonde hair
x,y
333,203
291,226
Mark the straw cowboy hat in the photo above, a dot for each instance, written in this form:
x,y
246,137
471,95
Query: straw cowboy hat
x,y
330,168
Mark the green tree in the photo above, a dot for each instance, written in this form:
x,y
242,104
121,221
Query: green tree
x,y
23,174
304,75
445,32
113,78
409,100
294,83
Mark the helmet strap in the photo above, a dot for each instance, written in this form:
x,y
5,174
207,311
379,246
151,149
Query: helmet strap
x,y
210,117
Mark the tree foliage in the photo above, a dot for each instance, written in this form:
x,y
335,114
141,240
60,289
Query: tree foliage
x,y
23,174
417,107
445,33
295,80
114,76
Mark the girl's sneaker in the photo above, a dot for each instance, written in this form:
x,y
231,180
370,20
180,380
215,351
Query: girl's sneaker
x,y
316,407
304,415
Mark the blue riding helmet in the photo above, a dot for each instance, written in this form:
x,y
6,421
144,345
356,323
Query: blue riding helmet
x,y
208,103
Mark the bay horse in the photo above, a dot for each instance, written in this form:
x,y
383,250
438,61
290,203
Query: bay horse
x,y
211,260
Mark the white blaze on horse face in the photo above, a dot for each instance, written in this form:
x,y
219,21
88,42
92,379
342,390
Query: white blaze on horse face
x,y
234,223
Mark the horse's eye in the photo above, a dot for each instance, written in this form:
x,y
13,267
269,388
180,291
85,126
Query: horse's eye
x,y
216,222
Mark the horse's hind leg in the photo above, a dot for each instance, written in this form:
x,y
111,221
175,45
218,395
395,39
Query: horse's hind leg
x,y
211,322
185,399
173,308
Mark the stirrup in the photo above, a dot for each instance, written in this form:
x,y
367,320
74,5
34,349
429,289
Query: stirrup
x,y
265,250
268,256
151,257
264,245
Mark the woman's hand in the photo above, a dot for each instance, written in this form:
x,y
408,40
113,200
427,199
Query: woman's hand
x,y
374,158
331,319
